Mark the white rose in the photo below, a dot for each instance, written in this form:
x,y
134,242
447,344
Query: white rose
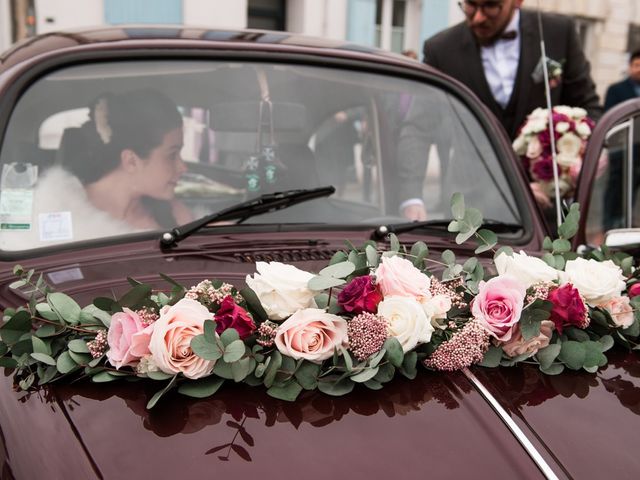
x,y
437,306
563,110
569,144
583,129
539,113
520,145
282,289
566,160
598,282
535,125
562,127
578,113
408,321
528,270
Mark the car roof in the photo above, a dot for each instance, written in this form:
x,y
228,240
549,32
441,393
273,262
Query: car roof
x,y
172,36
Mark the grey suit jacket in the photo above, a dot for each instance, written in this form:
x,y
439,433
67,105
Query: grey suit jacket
x,y
456,53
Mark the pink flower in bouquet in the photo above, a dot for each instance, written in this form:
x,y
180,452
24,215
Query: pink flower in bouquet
x,y
231,315
517,345
311,334
534,150
568,307
499,304
398,276
634,290
128,339
543,169
170,343
360,295
620,310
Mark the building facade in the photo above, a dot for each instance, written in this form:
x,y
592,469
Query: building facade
x,y
609,29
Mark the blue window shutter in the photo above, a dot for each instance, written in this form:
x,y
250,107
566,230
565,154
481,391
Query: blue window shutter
x,y
142,11
361,22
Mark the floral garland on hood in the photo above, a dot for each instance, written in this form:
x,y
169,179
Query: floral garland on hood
x,y
366,317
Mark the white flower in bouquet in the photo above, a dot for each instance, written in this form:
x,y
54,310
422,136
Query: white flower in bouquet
x,y
569,144
408,321
534,149
528,270
578,113
567,160
563,110
520,145
583,129
562,127
538,113
535,125
596,281
281,288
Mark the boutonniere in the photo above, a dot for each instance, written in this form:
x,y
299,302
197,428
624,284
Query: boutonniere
x,y
554,71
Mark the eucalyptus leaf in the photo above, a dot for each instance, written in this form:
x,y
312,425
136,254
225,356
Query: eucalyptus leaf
x,y
320,282
573,354
394,351
103,377
159,376
45,311
288,392
65,307
39,346
205,349
457,206
18,325
338,270
409,365
334,387
365,375
372,256
78,346
223,370
487,240
448,257
554,369
241,368
546,356
492,357
607,342
229,336
234,351
65,364
152,402
394,243
386,371
135,297
307,375
44,358
202,388
275,362
254,304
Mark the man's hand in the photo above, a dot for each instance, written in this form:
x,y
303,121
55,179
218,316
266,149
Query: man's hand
x,y
415,212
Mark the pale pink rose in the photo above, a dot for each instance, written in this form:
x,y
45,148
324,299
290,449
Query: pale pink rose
x,y
534,149
124,347
311,334
620,310
517,345
499,304
398,276
170,343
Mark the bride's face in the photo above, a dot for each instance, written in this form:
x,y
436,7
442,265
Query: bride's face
x,y
158,174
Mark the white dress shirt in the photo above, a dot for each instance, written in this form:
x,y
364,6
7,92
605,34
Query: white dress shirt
x,y
500,62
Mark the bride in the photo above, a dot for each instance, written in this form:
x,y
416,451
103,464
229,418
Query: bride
x,y
119,176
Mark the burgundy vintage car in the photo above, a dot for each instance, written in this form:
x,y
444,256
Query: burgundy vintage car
x,y
267,112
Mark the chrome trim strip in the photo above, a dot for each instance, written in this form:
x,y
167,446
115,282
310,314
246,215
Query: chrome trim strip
x,y
511,425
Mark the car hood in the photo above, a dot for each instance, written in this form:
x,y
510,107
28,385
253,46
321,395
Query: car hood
x,y
436,425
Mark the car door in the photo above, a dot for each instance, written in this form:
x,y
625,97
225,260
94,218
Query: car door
x,y
609,186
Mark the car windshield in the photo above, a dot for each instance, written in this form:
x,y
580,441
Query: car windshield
x,y
116,148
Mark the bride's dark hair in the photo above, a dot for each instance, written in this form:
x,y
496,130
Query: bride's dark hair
x,y
136,120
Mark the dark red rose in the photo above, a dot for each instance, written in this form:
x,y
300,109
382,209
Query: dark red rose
x,y
568,307
231,315
634,290
543,169
360,295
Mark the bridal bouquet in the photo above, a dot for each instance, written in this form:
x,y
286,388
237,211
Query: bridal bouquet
x,y
571,128
372,314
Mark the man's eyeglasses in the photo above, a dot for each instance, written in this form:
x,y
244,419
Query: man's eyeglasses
x,y
489,9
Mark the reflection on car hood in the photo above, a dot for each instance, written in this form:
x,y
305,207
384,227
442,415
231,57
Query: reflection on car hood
x,y
436,425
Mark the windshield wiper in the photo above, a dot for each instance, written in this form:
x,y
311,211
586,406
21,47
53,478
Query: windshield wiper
x,y
383,230
269,202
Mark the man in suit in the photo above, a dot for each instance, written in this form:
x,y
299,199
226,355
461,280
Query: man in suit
x,y
496,53
627,88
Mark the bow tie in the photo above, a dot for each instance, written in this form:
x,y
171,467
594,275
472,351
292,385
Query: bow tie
x,y
510,35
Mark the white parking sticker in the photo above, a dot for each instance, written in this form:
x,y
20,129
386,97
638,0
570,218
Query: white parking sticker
x,y
55,226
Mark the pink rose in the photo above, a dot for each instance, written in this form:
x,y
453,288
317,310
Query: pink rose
x,y
170,343
634,290
360,295
231,315
312,334
498,305
517,345
398,276
620,310
127,339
